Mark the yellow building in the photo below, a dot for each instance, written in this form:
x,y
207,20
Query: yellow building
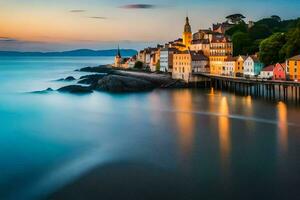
x,y
220,49
294,68
187,34
239,66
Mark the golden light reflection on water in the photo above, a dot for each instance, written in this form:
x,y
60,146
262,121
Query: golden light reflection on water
x,y
224,131
282,127
185,121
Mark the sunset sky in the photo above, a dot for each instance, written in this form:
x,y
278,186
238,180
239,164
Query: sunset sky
x,y
47,25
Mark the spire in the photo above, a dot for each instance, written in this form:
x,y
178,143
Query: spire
x,y
119,52
187,26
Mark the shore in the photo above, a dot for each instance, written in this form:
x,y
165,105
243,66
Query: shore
x,y
109,79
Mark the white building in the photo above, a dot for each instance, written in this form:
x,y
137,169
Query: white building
x,y
252,66
229,66
166,59
267,72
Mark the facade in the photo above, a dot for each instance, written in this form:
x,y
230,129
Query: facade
x,y
252,66
201,45
229,66
187,34
220,50
279,72
166,59
239,66
293,68
188,62
267,72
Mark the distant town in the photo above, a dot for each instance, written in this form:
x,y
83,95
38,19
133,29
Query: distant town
x,y
210,51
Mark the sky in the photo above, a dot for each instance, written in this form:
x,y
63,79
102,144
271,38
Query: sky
x,y
57,25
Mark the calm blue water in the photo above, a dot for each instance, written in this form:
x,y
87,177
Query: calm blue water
x,y
222,145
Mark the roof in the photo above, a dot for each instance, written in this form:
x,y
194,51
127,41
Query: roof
x,y
198,56
219,38
243,57
231,59
200,41
295,58
254,58
269,68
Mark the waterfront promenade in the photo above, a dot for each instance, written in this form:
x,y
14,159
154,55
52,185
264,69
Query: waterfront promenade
x,y
256,87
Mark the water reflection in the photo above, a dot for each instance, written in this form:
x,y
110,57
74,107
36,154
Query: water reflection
x,y
224,132
282,127
182,101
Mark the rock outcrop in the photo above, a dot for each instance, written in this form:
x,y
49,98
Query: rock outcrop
x,y
76,89
117,83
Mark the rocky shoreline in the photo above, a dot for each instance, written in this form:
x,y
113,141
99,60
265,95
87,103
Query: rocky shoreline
x,y
108,79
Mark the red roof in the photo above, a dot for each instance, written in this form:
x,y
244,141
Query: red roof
x,y
269,68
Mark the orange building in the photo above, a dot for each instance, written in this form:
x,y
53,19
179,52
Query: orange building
x,y
220,49
239,66
293,68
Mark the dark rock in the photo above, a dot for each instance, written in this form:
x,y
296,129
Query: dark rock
x,y
117,83
76,89
91,79
43,91
105,69
69,78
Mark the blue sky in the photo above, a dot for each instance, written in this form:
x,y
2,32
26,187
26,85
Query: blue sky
x,y
40,25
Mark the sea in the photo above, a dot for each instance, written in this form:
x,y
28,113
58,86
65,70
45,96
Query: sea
x,y
162,144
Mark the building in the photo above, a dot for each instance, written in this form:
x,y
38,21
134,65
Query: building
x,y
252,66
187,34
293,68
220,49
186,63
267,72
118,59
279,72
229,66
166,59
239,67
201,45
206,34
222,27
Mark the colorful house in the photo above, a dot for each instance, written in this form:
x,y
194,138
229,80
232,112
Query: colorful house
x,y
279,72
229,66
267,72
252,66
239,66
188,62
293,68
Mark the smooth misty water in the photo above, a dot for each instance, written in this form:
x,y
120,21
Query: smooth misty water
x,y
213,145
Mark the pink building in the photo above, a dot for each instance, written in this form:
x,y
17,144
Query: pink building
x,y
279,72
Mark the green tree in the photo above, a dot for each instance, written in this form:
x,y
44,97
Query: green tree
x,y
292,46
241,27
138,65
241,41
259,31
269,50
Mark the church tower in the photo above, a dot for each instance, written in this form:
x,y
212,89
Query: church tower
x,y
187,34
118,58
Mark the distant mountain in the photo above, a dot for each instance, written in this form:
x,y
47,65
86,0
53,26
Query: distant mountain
x,y
78,52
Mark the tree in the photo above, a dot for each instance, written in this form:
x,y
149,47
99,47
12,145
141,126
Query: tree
x,y
235,18
292,46
269,50
259,31
138,65
276,17
240,42
241,27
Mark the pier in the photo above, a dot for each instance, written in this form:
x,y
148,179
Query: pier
x,y
287,91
